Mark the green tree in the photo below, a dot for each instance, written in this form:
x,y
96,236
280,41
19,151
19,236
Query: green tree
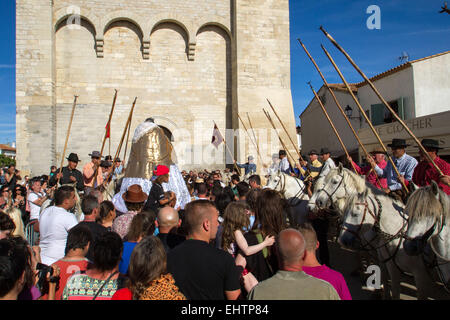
x,y
5,161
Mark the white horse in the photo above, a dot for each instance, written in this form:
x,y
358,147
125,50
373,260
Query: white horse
x,y
373,221
294,191
429,212
428,230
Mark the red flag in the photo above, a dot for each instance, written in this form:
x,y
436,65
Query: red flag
x,y
217,138
107,131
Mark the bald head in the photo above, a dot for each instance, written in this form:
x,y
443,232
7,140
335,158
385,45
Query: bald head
x,y
291,247
167,218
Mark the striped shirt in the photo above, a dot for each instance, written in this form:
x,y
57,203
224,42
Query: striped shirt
x,y
405,165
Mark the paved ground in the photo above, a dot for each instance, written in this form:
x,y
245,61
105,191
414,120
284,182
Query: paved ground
x,y
346,261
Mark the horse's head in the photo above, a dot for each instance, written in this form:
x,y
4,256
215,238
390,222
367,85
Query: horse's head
x,y
328,190
427,208
274,181
358,220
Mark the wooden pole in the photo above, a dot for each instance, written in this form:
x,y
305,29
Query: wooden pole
x,y
279,138
394,114
67,136
253,141
125,130
339,106
128,137
109,122
332,125
226,146
285,130
365,116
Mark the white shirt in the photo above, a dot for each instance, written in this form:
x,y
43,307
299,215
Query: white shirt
x,y
329,164
284,165
34,209
54,225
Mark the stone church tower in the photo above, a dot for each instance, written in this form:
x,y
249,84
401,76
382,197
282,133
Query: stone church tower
x,y
189,63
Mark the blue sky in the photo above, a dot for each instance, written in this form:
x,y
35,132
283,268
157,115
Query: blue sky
x,y
414,26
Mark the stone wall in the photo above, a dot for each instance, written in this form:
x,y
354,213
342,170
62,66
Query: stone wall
x,y
189,63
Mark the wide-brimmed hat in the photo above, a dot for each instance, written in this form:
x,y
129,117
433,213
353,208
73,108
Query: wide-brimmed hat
x,y
378,150
398,143
313,151
73,157
430,143
118,159
105,164
95,154
199,180
161,170
134,194
108,158
324,151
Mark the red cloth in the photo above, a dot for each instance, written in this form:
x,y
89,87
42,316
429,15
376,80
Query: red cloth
x,y
123,294
108,133
161,170
425,172
371,175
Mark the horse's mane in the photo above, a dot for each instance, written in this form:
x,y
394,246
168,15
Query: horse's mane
x,y
423,204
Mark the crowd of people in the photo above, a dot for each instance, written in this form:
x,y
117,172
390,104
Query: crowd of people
x,y
233,240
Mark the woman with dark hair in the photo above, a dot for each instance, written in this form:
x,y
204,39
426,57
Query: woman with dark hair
x,y
7,226
269,221
101,279
16,268
19,195
107,214
251,198
140,226
148,276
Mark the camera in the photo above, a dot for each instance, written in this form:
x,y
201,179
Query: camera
x,y
43,270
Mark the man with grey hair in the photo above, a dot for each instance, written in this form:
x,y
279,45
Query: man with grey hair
x,y
290,282
168,222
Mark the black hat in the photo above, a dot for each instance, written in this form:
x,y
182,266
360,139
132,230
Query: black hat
x,y
313,151
105,164
430,143
108,158
73,157
324,151
95,154
118,159
398,143
282,153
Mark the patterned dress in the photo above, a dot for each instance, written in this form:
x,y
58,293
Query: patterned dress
x,y
163,288
82,287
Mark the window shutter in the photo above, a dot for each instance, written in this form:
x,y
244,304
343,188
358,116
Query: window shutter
x,y
377,114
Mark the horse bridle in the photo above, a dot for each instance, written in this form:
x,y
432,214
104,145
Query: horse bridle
x,y
428,235
330,196
377,228
282,190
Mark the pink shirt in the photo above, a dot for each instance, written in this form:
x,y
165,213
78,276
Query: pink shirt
x,y
336,279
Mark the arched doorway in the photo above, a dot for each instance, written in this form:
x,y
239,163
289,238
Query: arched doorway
x,y
168,133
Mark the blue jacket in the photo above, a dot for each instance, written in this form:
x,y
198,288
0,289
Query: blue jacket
x,y
249,167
